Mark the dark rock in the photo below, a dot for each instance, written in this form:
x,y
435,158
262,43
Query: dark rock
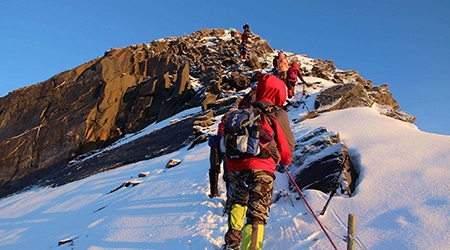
x,y
172,163
323,163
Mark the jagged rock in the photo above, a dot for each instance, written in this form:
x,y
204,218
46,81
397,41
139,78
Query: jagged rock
x,y
68,241
342,96
350,95
205,120
382,96
209,98
310,115
143,174
126,184
254,63
396,114
326,70
172,163
321,162
214,87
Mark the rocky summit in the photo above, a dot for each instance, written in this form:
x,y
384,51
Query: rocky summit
x,y
48,130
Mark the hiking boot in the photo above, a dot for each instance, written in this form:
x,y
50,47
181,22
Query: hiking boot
x,y
212,195
227,207
228,246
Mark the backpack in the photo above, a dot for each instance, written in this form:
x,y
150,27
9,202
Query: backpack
x,y
292,75
241,135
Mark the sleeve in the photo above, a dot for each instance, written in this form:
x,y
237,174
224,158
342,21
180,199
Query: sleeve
x,y
300,76
220,128
285,142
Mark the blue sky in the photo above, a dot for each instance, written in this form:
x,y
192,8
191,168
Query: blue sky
x,y
402,43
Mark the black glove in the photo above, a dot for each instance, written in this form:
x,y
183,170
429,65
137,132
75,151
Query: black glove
x,y
280,168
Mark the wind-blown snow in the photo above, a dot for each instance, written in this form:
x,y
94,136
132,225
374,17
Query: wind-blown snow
x,y
402,199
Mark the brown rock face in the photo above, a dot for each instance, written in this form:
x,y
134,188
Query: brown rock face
x,y
353,95
44,126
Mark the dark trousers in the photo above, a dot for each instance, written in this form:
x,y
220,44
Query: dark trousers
x,y
215,160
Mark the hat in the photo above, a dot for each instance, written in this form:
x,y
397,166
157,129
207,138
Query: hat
x,y
271,89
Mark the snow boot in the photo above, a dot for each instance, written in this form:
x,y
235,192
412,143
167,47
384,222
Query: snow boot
x,y
228,246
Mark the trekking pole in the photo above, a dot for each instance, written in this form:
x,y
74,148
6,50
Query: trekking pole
x,y
336,186
309,207
306,95
333,192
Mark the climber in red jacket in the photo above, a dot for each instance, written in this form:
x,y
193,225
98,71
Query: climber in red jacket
x,y
252,179
291,78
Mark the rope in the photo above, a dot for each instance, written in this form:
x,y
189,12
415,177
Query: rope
x,y
309,207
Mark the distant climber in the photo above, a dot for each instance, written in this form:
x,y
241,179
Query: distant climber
x,y
283,65
291,78
245,37
275,65
235,35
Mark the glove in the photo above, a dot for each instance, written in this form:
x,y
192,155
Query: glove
x,y
213,140
280,168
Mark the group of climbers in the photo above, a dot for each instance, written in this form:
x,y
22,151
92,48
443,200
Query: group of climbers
x,y
250,181
288,73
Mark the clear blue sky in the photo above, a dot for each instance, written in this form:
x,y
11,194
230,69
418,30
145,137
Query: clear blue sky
x,y
402,43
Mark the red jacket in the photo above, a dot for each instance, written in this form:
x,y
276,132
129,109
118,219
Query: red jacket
x,y
293,73
271,91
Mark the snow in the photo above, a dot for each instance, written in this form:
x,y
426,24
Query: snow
x,y
402,199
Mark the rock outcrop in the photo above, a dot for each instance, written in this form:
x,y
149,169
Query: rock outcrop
x,y
351,95
322,162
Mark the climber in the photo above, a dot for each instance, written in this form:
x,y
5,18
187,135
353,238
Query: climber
x,y
291,78
252,179
275,65
245,37
283,65
235,34
216,159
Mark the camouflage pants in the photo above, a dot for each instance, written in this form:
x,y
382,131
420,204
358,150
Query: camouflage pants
x,y
251,197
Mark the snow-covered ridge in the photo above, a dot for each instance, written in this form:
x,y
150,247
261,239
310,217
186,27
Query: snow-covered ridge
x,y
396,205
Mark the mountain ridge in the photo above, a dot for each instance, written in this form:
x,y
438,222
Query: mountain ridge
x,y
45,126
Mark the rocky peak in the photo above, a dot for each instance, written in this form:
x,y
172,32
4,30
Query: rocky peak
x,y
47,125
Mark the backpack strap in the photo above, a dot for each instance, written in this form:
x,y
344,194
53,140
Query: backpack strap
x,y
256,117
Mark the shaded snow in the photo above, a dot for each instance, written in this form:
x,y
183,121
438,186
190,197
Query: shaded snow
x,y
402,200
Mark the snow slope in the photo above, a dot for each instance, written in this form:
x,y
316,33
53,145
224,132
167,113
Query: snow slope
x,y
402,200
